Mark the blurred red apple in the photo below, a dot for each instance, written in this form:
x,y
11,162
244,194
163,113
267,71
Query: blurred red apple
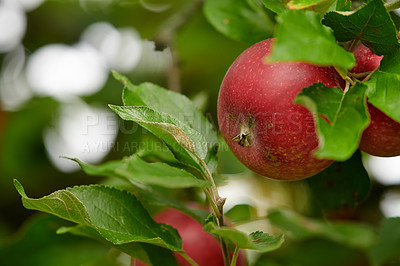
x,y
259,121
201,246
382,136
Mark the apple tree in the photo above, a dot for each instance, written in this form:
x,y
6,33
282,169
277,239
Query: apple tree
x,y
317,89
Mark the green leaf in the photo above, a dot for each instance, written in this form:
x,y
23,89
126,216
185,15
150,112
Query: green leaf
x,y
384,86
343,5
241,20
300,36
153,195
175,105
276,6
342,185
341,118
36,244
384,93
183,141
387,247
147,253
241,212
319,6
137,170
353,235
371,24
115,214
259,241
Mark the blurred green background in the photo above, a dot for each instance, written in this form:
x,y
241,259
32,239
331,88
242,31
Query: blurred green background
x,y
56,58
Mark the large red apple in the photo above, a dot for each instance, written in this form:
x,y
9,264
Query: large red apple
x,y
259,121
382,136
201,246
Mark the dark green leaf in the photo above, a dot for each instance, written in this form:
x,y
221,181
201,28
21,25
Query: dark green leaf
x,y
354,235
36,244
147,253
300,36
370,23
343,5
257,240
175,105
387,247
241,20
312,252
115,214
342,185
341,118
182,140
137,170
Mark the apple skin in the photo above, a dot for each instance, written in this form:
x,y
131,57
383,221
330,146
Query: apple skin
x,y
256,102
382,136
201,246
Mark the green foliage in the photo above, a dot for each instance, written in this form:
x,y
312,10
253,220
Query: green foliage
x,y
120,219
370,23
173,118
343,5
354,235
116,215
300,36
343,185
241,20
387,247
257,240
341,118
135,169
383,88
37,245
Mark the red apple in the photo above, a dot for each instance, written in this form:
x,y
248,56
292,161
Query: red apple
x,y
382,136
201,246
259,121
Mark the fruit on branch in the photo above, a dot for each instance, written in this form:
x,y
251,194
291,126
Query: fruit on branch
x,y
382,136
259,121
201,246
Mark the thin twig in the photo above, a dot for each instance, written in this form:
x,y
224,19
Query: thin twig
x,y
166,37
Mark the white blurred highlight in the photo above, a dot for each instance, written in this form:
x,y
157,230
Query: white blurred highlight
x,y
390,203
121,48
12,25
83,132
14,89
59,70
386,170
29,5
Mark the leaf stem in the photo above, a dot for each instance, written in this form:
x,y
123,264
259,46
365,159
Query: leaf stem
x,y
188,258
217,204
390,6
235,256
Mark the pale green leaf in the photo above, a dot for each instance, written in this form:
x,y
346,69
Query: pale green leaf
x,y
241,20
257,240
353,235
300,36
340,118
